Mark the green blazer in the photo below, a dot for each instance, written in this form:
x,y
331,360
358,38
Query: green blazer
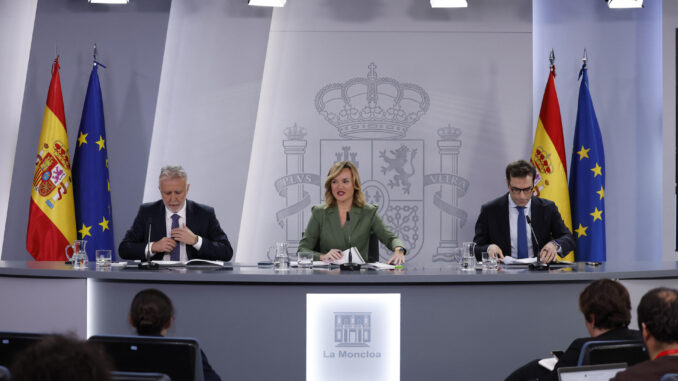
x,y
324,231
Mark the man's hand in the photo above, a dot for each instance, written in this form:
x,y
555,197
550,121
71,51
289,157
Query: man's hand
x,y
331,256
185,235
496,250
165,245
548,253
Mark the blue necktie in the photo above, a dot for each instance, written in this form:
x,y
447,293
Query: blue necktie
x,y
522,233
174,254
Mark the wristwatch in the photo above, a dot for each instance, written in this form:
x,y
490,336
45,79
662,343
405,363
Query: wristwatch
x,y
401,249
559,249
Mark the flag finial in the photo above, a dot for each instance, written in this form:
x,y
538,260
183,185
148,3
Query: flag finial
x,y
552,57
584,58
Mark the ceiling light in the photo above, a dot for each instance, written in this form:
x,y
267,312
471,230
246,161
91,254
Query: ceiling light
x,y
108,1
449,4
267,3
625,3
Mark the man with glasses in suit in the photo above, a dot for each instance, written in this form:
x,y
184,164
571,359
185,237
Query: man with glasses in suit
x,y
506,224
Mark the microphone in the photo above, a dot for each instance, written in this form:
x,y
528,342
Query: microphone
x,y
350,266
147,264
539,265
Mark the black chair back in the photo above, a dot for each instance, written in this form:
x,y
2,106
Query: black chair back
x,y
179,358
605,352
12,343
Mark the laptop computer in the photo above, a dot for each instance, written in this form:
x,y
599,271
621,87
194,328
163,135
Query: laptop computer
x,y
600,372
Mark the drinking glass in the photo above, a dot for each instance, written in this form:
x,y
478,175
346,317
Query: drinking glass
x,y
489,260
305,259
103,259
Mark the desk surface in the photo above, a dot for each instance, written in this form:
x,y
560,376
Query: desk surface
x,y
410,274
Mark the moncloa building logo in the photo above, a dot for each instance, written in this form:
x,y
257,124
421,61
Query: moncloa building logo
x,y
352,330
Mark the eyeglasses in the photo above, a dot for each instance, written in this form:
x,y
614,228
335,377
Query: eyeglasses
x,y
522,190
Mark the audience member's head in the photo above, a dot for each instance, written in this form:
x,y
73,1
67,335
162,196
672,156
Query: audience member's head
x,y
151,312
658,319
606,305
57,358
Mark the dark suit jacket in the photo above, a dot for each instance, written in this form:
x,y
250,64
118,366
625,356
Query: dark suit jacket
x,y
201,219
492,226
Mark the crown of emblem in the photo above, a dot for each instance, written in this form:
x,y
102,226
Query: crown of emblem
x,y
449,133
295,132
372,107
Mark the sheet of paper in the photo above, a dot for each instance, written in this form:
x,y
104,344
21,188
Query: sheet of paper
x,y
356,257
549,363
381,266
515,261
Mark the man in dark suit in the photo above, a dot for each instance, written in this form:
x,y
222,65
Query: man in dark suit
x,y
502,226
181,229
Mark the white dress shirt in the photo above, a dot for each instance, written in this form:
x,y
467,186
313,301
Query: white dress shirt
x,y
183,257
513,224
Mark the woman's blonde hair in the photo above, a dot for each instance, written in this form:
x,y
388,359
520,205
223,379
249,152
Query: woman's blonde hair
x,y
358,196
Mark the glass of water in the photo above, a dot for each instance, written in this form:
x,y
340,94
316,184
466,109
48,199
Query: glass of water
x,y
103,259
305,259
490,260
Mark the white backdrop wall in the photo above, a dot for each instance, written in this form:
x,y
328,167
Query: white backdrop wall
x,y
625,77
16,31
207,101
469,104
669,41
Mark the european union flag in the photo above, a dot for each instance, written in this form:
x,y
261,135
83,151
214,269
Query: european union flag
x,y
93,213
587,179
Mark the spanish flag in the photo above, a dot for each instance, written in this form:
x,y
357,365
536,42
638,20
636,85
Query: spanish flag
x,y
548,155
51,216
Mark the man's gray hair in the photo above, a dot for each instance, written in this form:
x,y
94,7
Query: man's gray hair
x,y
172,172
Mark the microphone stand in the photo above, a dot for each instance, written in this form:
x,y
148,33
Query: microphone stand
x,y
539,265
350,266
148,264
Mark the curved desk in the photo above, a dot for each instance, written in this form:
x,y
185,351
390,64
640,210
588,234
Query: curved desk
x,y
251,321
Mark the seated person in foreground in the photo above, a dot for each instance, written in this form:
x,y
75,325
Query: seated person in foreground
x,y
658,323
181,229
327,231
502,225
61,358
606,307
152,314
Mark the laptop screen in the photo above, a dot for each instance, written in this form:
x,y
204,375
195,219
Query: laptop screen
x,y
602,372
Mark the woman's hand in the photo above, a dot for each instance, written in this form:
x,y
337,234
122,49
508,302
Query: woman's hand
x,y
331,256
398,257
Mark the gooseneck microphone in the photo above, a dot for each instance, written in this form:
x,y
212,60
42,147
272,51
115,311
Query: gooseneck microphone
x,y
539,265
147,264
350,266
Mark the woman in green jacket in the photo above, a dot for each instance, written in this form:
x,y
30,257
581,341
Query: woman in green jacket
x,y
327,232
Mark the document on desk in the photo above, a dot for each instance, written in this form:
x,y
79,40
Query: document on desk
x,y
194,263
526,261
357,258
515,261
381,266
